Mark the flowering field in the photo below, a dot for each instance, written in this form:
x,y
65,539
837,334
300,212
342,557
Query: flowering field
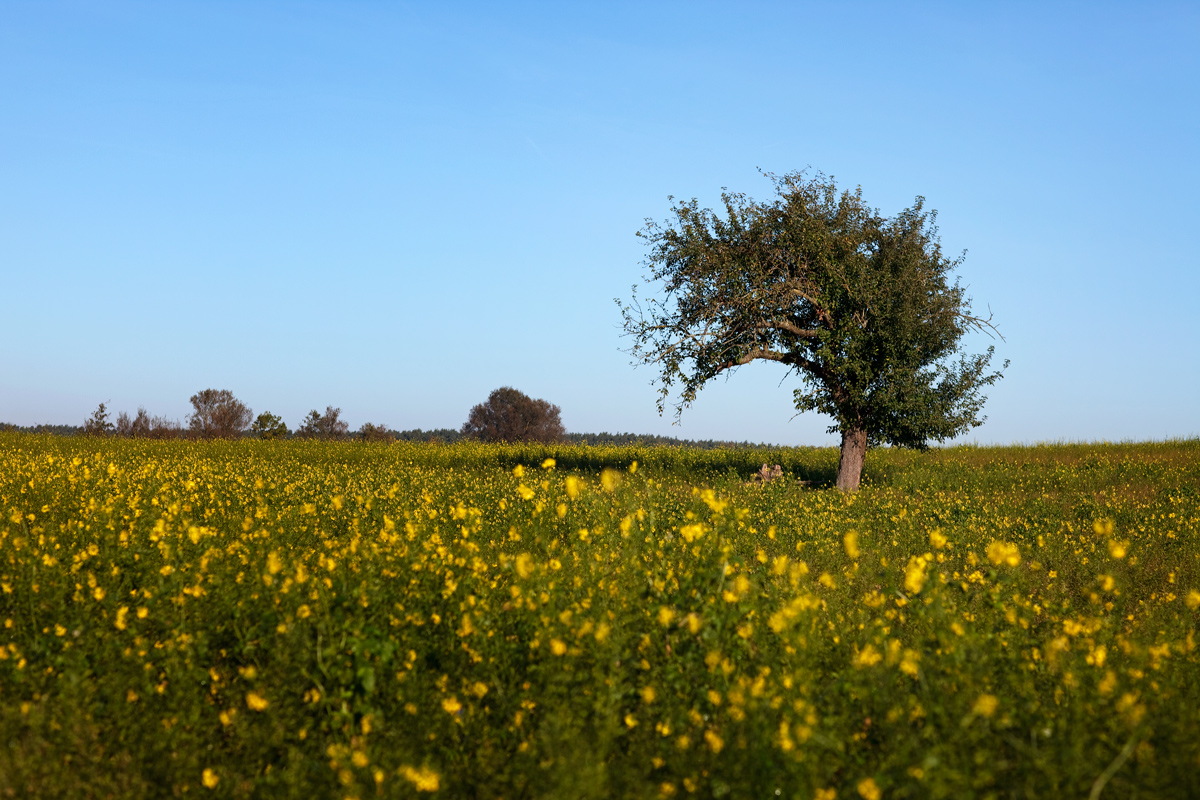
x,y
277,619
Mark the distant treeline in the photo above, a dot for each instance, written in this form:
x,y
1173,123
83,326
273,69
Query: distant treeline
x,y
450,435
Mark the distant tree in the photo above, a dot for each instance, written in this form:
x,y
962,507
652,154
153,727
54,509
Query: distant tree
x,y
323,426
513,416
218,414
865,309
97,424
370,432
163,428
269,426
135,428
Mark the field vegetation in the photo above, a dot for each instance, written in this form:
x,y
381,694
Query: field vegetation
x,y
325,619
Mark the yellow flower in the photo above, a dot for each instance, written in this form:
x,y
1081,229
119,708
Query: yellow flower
x,y
451,705
665,615
648,694
850,542
1117,549
142,612
914,574
715,742
572,484
209,778
256,702
1192,599
122,612
937,539
548,463
525,492
558,647
1003,553
524,565
359,759
274,565
424,779
985,705
867,657
98,593
825,794
630,721
868,789
303,612
610,479
518,471
1103,527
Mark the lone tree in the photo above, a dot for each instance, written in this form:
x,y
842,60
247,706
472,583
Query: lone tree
x,y
513,416
218,414
864,308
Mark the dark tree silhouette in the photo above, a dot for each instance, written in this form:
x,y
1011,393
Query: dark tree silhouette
x,y
218,414
513,416
323,426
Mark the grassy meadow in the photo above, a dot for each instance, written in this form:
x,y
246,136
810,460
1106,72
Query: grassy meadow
x,y
306,619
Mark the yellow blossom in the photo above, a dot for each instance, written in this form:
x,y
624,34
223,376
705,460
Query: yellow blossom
x,y
1003,553
256,702
867,657
424,779
985,705
558,647
850,542
209,778
868,789
451,705
915,575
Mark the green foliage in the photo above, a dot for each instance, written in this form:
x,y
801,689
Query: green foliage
x,y
862,307
269,426
332,620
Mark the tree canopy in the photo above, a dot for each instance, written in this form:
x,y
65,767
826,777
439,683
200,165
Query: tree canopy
x,y
866,309
510,415
218,414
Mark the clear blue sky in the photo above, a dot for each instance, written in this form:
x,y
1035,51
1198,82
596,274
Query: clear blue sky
x,y
396,208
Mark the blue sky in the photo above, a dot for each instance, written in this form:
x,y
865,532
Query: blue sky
x,y
396,208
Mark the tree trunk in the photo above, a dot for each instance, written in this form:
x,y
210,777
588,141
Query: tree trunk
x,y
854,450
